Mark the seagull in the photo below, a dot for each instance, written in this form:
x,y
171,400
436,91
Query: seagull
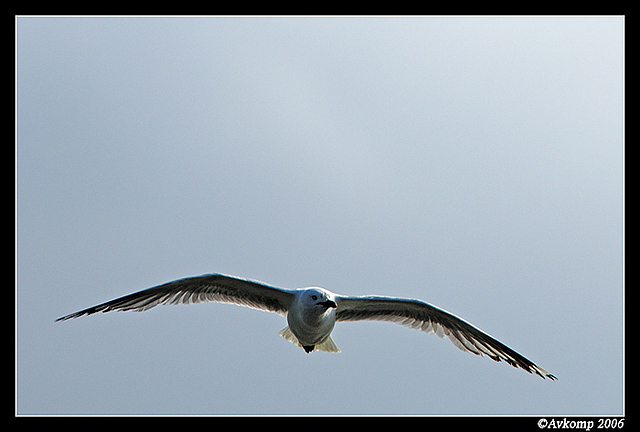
x,y
312,313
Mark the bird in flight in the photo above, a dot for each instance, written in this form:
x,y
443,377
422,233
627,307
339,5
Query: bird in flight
x,y
312,313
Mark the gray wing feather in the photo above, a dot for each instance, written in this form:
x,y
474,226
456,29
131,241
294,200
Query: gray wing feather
x,y
423,316
207,288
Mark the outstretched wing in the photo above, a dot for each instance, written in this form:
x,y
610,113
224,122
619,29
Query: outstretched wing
x,y
207,288
423,316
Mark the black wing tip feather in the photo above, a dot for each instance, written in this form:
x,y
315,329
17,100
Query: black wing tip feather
x,y
527,366
76,315
66,317
510,356
541,373
89,311
516,360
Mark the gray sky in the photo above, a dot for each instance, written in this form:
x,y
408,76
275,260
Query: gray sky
x,y
474,163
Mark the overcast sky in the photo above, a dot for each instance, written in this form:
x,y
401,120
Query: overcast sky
x,y
474,163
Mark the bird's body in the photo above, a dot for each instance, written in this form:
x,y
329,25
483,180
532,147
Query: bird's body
x,y
311,318
312,313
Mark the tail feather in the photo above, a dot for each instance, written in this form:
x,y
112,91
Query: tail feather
x,y
328,345
288,335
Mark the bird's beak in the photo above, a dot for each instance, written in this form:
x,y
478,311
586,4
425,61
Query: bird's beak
x,y
329,304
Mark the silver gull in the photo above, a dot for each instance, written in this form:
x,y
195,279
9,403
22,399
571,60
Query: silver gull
x,y
312,313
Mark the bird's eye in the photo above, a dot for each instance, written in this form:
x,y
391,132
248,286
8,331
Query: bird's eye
x,y
314,297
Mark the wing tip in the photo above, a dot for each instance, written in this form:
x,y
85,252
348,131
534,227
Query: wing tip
x,y
71,316
538,371
68,317
543,373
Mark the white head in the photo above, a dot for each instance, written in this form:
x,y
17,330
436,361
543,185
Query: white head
x,y
318,298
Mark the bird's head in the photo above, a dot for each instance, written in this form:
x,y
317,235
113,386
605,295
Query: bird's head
x,y
319,298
